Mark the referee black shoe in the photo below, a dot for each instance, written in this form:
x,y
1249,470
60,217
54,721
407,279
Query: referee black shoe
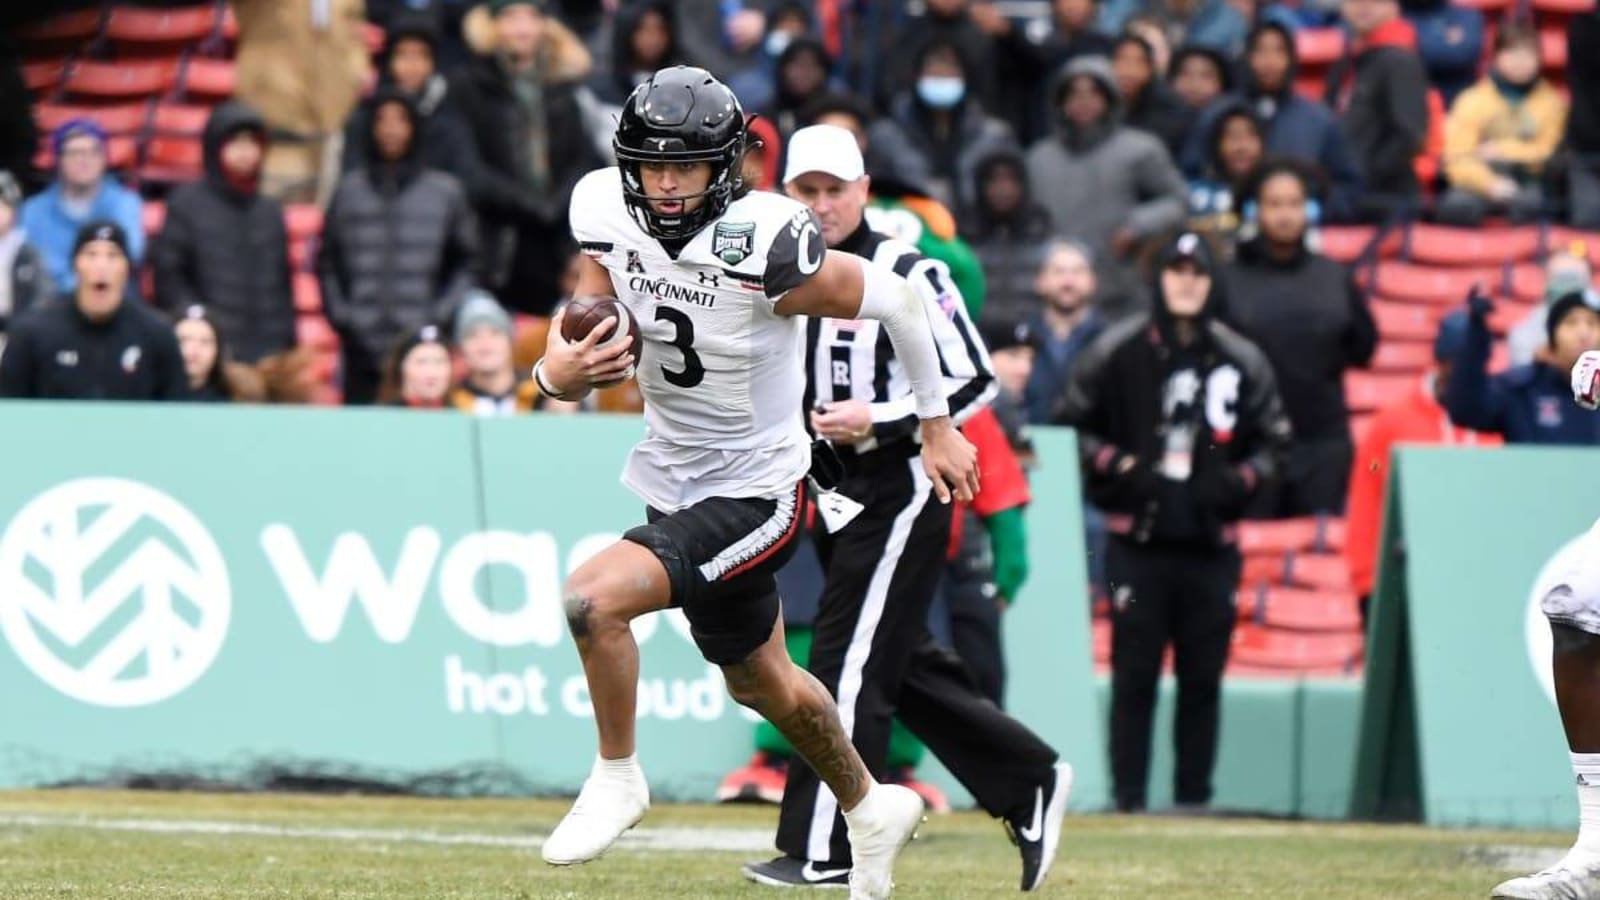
x,y
1037,830
786,871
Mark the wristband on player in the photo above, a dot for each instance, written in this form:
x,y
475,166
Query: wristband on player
x,y
539,382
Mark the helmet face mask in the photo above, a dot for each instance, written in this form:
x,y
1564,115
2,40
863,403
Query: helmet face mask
x,y
681,115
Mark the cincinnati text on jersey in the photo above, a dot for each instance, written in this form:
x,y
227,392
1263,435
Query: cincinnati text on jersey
x,y
663,289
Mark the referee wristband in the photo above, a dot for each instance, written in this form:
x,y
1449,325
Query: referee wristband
x,y
539,382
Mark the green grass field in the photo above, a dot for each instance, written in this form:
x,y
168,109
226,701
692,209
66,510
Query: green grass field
x,y
92,844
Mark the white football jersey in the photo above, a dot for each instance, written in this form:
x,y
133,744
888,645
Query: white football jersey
x,y
720,372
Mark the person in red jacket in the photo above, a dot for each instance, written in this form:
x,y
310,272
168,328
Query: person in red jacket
x,y
1416,418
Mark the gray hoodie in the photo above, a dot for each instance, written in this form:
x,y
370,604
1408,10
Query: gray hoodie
x,y
1095,181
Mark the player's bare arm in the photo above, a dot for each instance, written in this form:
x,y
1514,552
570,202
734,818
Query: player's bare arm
x,y
570,369
847,287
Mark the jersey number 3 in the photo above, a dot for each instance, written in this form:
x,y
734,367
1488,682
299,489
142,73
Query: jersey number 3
x,y
694,371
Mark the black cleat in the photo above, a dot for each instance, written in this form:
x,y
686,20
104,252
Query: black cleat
x,y
786,871
1038,833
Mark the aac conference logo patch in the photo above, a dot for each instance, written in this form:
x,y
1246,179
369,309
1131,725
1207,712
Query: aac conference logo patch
x,y
112,592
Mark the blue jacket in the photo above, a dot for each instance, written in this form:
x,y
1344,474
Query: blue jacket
x,y
1529,404
1215,24
53,231
1052,364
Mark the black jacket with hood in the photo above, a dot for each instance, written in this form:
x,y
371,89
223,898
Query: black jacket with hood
x,y
1136,388
1010,247
1380,89
398,247
445,142
227,250
1156,109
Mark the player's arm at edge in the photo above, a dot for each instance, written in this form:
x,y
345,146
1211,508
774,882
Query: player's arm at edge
x,y
569,369
849,287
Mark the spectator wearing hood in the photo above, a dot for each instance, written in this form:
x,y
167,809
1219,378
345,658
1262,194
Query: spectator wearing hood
x,y
1199,75
1380,91
803,72
946,124
1238,145
398,247
1179,424
1205,23
1583,119
23,279
1148,102
1566,271
1009,232
1529,404
1499,135
1103,183
83,191
223,246
1025,58
643,39
1416,417
409,64
1296,128
949,23
1306,314
521,105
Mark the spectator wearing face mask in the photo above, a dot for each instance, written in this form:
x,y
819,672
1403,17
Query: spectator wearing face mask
x,y
416,373
83,191
491,387
951,24
1148,102
23,279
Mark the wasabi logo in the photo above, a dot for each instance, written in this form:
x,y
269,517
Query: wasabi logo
x,y
112,592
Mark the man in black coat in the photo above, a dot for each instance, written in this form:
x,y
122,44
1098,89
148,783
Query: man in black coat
x,y
1306,314
223,245
526,123
1583,121
1179,423
398,247
1380,91
94,344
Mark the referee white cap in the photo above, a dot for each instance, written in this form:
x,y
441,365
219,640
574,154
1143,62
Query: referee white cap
x,y
824,148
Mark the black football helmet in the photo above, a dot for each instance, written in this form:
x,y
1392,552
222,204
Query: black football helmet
x,y
682,114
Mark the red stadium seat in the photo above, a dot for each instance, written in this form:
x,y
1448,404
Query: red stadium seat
x,y
301,257
1311,85
214,78
1272,648
1317,47
121,80
1422,284
173,160
372,35
1527,281
182,25
179,119
1346,243
120,118
1571,239
1367,391
307,293
303,221
75,26
1298,609
1278,537
1100,633
43,76
314,331
230,24
1319,571
1553,49
1262,568
1485,6
1360,424
121,153
1442,246
153,215
1564,7
1402,356
1406,321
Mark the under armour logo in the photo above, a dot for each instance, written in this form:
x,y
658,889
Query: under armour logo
x,y
708,278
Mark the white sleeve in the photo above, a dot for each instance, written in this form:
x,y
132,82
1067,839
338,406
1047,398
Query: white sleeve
x,y
887,298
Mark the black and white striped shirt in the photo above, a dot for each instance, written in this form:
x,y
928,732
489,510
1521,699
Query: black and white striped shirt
x,y
852,359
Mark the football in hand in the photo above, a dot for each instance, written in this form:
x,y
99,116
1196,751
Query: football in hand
x,y
584,314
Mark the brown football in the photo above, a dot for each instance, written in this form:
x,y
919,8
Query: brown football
x,y
584,314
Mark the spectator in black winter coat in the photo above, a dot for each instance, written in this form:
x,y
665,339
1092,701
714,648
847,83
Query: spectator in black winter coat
x,y
409,64
521,106
1306,314
1199,75
1380,91
1296,128
95,344
803,73
1009,233
946,122
24,281
1148,103
946,22
398,247
1179,424
1583,118
642,41
18,137
1026,57
223,245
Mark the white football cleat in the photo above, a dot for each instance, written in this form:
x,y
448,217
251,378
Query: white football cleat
x,y
608,805
885,822
1575,877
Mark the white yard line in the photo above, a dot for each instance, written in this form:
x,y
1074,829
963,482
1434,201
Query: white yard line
x,y
736,840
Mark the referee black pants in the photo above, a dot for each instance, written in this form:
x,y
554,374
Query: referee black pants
x,y
1160,596
871,649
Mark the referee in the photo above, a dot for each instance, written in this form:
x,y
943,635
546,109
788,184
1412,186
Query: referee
x,y
871,645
